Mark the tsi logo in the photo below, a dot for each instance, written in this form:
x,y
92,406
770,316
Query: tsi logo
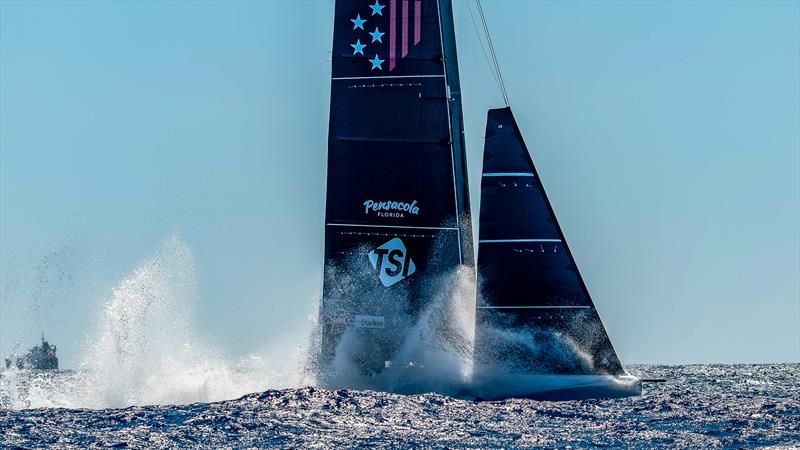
x,y
392,262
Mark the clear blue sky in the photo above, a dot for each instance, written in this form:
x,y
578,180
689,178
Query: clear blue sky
x,y
667,135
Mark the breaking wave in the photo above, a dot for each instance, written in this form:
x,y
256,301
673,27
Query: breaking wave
x,y
146,348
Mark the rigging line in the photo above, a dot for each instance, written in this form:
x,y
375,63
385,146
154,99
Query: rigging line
x,y
491,50
483,48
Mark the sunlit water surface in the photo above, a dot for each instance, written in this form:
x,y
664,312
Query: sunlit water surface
x,y
700,406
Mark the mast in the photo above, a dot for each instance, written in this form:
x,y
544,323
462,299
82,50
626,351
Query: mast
x,y
456,127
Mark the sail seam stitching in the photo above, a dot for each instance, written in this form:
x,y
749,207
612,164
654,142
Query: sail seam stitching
x,y
388,76
388,226
535,307
496,241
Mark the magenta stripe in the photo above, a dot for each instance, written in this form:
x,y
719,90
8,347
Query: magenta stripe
x,y
405,28
417,21
392,32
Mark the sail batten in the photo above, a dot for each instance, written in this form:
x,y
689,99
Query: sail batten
x,y
504,241
508,174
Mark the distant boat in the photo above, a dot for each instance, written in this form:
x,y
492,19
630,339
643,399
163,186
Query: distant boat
x,y
397,221
40,357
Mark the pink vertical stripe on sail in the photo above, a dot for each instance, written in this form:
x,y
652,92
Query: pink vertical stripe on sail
x,y
417,21
392,32
405,29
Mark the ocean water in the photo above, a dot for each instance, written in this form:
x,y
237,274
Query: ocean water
x,y
148,378
700,406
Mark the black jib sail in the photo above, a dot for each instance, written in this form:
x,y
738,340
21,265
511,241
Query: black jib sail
x,y
534,312
397,198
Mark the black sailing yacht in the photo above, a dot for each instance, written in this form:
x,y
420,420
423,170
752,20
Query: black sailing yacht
x,y
397,220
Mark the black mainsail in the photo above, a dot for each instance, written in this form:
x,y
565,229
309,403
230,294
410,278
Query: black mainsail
x,y
397,201
530,286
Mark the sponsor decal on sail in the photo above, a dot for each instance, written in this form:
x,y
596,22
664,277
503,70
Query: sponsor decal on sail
x,y
392,262
391,208
369,321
